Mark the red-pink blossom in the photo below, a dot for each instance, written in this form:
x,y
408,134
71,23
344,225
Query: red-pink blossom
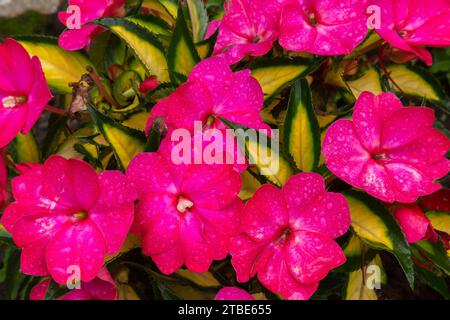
x,y
150,83
415,224
77,37
248,27
412,25
287,236
390,151
66,215
24,93
102,287
213,90
233,293
186,214
323,27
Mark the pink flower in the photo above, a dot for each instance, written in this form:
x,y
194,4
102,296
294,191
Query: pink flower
x,y
410,25
390,151
249,27
186,214
77,37
24,92
66,215
213,89
415,224
323,27
102,287
288,234
233,293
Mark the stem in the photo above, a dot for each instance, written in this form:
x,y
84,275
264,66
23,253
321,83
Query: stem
x,y
102,88
55,110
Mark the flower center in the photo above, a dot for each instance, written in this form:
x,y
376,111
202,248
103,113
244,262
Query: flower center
x,y
184,204
380,157
210,120
12,102
80,215
312,19
283,235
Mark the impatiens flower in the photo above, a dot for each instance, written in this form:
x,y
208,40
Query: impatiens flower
x,y
186,214
323,27
78,36
390,151
233,293
248,27
414,223
411,25
24,93
288,234
67,216
102,287
213,90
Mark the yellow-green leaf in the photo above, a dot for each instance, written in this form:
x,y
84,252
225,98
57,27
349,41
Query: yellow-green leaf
x,y
358,289
125,142
145,45
24,148
418,82
204,279
199,19
301,133
275,75
440,220
60,67
182,55
370,81
262,153
376,226
162,11
151,23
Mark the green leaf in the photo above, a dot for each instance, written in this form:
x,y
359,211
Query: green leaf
x,y
125,142
418,82
160,9
301,133
274,75
267,160
60,67
151,23
434,252
199,19
376,226
353,252
433,281
182,56
144,44
369,81
357,289
440,220
24,148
